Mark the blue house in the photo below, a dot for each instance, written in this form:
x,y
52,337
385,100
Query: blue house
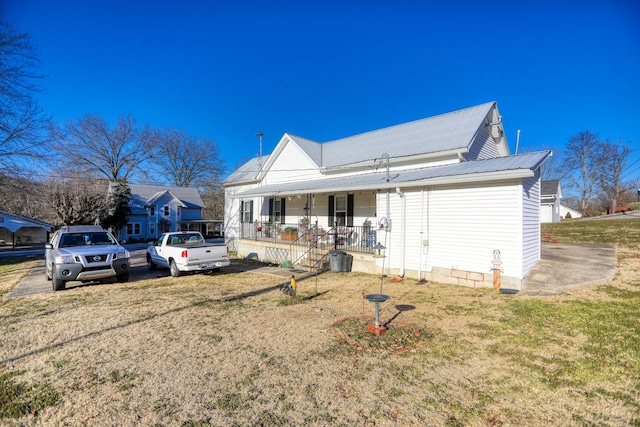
x,y
157,209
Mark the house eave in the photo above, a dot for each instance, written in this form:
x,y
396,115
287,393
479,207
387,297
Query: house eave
x,y
392,184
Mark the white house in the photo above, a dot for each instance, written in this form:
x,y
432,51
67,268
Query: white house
x,y
550,198
156,209
443,195
567,212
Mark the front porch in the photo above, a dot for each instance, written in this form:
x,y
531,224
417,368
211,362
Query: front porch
x,y
347,238
301,244
283,254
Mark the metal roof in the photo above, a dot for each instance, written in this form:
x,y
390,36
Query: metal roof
x,y
14,222
550,187
141,194
312,148
518,166
246,172
445,132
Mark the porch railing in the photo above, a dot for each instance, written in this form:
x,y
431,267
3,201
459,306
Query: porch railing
x,y
353,239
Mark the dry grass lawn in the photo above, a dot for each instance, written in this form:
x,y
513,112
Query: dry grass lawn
x,y
231,350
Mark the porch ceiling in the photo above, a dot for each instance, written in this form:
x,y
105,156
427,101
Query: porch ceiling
x,y
519,166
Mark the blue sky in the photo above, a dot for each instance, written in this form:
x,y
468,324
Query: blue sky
x,y
326,70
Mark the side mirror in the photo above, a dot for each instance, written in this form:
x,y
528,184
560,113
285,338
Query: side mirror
x,y
48,245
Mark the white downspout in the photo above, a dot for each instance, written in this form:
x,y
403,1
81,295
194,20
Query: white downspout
x,y
421,233
403,217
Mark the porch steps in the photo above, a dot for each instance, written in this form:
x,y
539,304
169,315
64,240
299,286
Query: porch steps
x,y
317,258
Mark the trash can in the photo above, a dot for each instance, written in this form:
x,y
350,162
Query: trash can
x,y
340,261
347,262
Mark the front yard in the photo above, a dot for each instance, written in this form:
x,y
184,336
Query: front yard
x,y
230,349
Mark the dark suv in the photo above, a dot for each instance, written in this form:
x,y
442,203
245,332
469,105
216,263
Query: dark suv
x,y
85,253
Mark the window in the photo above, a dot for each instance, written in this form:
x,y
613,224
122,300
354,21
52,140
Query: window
x,y
341,210
276,211
166,210
246,211
152,211
152,229
133,228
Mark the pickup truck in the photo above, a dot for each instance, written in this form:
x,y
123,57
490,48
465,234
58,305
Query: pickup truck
x,y
186,251
84,253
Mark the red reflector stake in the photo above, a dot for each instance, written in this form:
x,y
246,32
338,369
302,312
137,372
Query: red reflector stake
x,y
184,254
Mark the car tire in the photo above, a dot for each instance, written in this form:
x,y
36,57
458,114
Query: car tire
x,y
58,284
123,278
150,264
175,272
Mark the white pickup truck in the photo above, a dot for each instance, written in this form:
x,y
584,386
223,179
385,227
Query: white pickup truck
x,y
186,251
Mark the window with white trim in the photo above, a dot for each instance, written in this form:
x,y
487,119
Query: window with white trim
x,y
133,229
341,210
246,211
166,210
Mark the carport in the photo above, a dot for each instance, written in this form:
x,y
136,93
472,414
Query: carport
x,y
17,230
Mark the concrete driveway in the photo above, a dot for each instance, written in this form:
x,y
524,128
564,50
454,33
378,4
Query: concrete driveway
x,y
564,266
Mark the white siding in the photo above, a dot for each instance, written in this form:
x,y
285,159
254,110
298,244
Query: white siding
x,y
466,224
483,146
232,211
530,223
546,213
291,165
364,208
414,230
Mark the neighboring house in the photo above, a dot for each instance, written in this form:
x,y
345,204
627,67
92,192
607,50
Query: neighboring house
x,y
550,197
157,209
566,210
441,194
18,230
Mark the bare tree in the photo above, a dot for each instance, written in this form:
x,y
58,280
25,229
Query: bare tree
x,y
22,122
580,166
552,169
24,196
78,201
114,153
612,161
186,160
213,198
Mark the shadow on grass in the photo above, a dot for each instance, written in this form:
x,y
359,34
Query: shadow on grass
x,y
400,308
145,319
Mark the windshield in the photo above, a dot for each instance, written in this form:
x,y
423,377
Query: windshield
x,y
69,240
